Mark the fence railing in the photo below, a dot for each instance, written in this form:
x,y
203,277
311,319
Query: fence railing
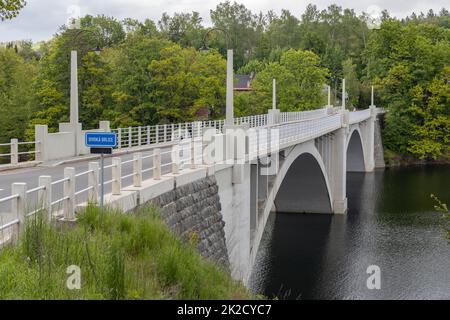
x,y
16,150
165,133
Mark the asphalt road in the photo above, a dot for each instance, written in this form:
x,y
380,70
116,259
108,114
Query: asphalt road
x,y
31,177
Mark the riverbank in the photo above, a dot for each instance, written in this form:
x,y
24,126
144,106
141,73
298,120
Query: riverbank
x,y
395,160
118,256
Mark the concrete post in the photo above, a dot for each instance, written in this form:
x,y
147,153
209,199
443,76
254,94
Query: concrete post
x,y
343,94
74,96
116,176
119,138
339,173
130,138
139,136
45,196
157,164
41,138
329,96
372,98
274,94
193,154
369,138
274,116
105,126
69,194
157,134
73,87
345,119
93,180
230,88
14,151
18,205
137,169
176,159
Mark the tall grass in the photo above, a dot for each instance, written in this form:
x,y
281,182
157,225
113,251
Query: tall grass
x,y
121,256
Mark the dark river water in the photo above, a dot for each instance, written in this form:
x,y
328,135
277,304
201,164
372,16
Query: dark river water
x,y
390,223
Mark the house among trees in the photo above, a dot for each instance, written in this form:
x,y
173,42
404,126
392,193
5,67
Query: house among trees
x,y
243,82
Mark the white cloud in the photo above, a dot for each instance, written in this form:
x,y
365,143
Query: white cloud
x,y
40,19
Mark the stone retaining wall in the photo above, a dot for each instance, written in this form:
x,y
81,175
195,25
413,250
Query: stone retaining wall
x,y
193,212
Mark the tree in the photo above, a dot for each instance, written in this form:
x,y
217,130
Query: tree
x,y
110,31
430,106
16,94
300,80
410,67
351,82
132,86
185,81
240,24
10,8
183,28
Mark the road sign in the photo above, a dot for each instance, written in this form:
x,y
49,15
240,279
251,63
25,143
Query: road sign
x,y
100,139
101,150
101,143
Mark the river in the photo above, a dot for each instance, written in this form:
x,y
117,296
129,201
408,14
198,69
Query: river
x,y
390,223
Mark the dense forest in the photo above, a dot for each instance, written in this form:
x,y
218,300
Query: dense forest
x,y
152,72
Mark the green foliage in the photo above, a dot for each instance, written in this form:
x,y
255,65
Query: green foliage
x,y
253,66
352,84
10,8
442,207
132,81
299,79
120,256
185,80
152,73
410,64
183,28
16,94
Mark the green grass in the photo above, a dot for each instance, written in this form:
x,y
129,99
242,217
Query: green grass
x,y
121,256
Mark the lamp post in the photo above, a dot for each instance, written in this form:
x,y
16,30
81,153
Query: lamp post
x,y
229,111
74,114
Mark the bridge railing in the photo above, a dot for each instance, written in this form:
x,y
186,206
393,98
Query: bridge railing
x,y
358,116
308,128
80,188
302,115
17,150
78,191
166,133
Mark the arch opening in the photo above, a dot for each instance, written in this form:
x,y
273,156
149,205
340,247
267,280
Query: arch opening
x,y
355,153
304,188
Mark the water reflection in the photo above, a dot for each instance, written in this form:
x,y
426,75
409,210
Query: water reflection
x,y
390,224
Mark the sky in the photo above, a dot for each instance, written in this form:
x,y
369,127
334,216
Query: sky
x,y
40,19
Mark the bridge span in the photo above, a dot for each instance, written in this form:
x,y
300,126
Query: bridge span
x,y
290,162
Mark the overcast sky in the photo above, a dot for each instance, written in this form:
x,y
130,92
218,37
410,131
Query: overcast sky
x,y
40,19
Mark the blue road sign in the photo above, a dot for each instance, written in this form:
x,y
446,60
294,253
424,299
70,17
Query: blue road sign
x,y
100,139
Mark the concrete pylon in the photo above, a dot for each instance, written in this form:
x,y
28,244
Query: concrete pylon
x,y
273,115
339,172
